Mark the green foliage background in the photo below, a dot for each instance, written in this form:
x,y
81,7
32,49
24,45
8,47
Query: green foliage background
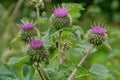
x,y
105,11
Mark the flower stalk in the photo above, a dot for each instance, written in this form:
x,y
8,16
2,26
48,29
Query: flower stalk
x,y
80,63
40,74
59,49
37,12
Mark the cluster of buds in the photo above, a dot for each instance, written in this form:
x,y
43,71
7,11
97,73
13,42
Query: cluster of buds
x,y
36,3
37,51
97,35
60,18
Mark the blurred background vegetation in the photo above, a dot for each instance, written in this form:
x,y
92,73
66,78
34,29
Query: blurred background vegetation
x,y
105,11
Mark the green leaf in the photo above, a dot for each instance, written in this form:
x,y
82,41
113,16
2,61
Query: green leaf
x,y
78,31
74,9
43,23
8,73
99,70
74,55
28,72
19,61
13,43
98,78
82,70
47,38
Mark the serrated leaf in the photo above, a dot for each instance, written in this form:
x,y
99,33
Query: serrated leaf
x,y
19,61
9,73
99,70
28,72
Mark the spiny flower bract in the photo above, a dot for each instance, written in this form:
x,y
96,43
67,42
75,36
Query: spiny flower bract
x,y
37,51
97,35
27,31
60,18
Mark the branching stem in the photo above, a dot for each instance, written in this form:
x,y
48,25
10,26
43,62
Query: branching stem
x,y
37,12
80,63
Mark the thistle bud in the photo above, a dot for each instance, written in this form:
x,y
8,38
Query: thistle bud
x,y
60,18
37,51
97,35
27,32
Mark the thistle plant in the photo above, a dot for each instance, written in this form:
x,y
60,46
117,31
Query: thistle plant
x,y
71,42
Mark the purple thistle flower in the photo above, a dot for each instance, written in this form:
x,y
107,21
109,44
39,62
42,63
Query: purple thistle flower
x,y
99,30
28,26
36,44
61,12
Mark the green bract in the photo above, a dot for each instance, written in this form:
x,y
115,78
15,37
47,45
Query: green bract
x,y
28,35
59,23
38,55
96,39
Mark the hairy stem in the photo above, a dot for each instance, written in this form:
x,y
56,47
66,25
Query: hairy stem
x,y
47,75
80,63
38,13
40,74
59,48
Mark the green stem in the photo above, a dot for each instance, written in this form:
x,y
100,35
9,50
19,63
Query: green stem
x,y
80,63
46,73
40,74
59,48
38,13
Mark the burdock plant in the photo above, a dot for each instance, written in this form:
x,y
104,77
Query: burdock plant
x,y
68,48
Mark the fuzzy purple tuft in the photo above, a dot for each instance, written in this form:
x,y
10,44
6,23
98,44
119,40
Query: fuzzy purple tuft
x,y
28,26
61,12
98,30
36,44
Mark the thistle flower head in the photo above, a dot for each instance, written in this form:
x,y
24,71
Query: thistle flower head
x,y
36,44
99,30
61,12
28,26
